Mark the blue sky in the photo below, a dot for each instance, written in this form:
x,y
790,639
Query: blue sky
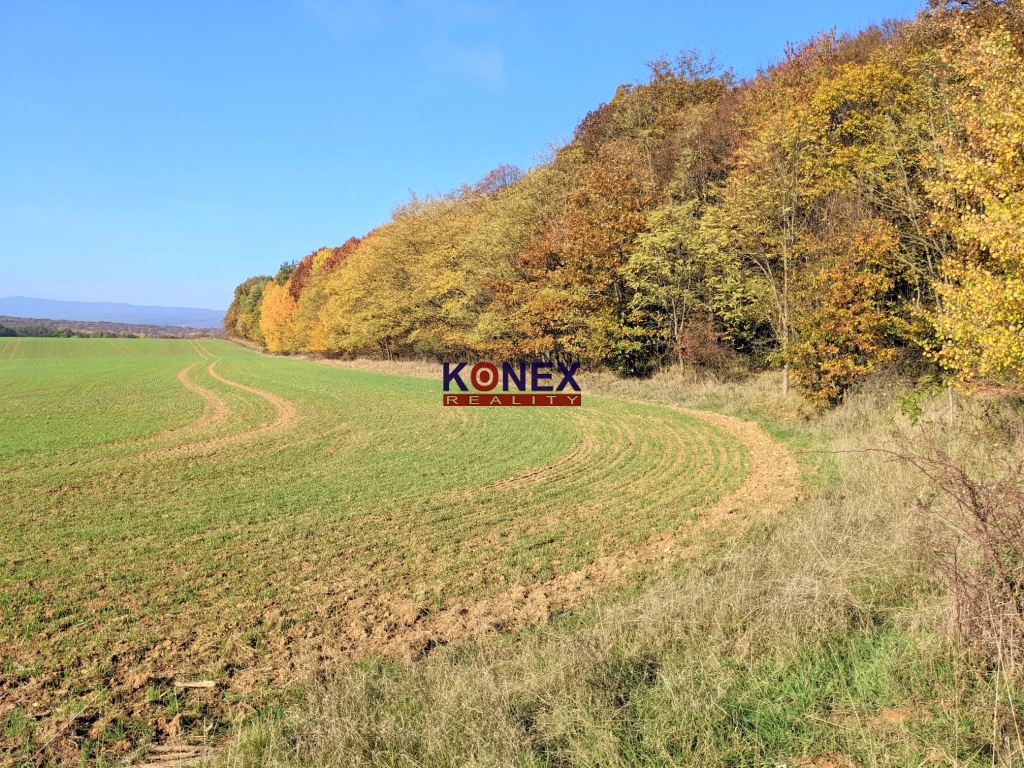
x,y
160,153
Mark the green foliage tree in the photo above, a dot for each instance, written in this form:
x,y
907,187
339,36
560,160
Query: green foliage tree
x,y
243,316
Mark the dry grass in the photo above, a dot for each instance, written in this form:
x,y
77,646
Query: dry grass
x,y
977,493
821,634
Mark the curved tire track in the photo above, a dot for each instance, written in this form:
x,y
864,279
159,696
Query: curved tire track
x,y
771,486
217,410
285,416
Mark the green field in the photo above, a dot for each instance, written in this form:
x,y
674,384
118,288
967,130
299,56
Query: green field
x,y
176,510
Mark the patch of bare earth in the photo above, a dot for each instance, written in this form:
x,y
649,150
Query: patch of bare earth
x,y
831,760
355,622
771,486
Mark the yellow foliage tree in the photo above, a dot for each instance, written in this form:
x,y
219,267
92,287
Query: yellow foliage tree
x,y
275,319
980,198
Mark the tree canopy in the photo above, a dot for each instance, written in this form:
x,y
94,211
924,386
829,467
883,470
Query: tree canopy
x,y
858,202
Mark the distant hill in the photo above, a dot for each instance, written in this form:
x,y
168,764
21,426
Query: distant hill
x,y
34,326
88,311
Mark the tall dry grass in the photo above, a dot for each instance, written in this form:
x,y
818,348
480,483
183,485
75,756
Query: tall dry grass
x,y
819,634
978,495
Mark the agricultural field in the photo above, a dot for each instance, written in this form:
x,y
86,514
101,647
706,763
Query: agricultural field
x,y
177,511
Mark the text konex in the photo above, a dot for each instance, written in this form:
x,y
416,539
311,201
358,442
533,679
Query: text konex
x,y
522,384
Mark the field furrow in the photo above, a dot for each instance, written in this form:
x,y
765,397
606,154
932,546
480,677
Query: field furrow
x,y
191,509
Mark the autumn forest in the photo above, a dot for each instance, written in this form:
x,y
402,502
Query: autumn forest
x,y
856,205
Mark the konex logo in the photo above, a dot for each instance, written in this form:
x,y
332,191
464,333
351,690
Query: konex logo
x,y
520,383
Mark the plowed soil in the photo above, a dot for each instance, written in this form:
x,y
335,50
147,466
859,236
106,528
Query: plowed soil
x,y
177,511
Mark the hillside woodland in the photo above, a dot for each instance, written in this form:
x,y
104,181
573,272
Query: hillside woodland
x,y
33,326
857,204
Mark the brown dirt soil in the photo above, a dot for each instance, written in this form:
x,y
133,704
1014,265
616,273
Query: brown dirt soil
x,y
831,760
772,485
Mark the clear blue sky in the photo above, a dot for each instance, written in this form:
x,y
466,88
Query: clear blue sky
x,y
161,152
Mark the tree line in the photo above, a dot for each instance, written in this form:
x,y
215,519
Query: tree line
x,y
857,204
98,329
43,331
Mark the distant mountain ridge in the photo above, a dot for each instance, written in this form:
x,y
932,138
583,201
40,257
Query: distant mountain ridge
x,y
100,311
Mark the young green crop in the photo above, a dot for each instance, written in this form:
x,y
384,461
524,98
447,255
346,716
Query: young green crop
x,y
175,508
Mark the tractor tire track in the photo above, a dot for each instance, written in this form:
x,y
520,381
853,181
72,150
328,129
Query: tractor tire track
x,y
14,351
771,486
120,347
286,413
285,416
217,410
